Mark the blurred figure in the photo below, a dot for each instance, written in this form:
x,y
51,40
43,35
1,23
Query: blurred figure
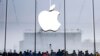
x,y
34,53
39,54
45,53
58,53
15,54
97,54
74,53
10,53
52,53
0,53
80,53
27,53
20,53
62,52
4,54
24,54
66,53
30,53
86,53
91,54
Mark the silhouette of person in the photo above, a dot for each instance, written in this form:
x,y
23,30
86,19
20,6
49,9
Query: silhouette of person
x,y
39,54
59,53
93,55
4,54
86,53
20,53
30,53
52,53
10,53
80,53
24,54
74,53
34,53
45,54
66,53
27,53
62,52
15,54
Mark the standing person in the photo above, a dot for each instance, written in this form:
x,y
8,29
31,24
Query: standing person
x,y
34,53
24,54
74,53
58,53
30,53
20,53
15,54
52,53
45,54
27,53
62,53
10,53
4,54
86,53
91,54
81,53
97,54
39,54
66,53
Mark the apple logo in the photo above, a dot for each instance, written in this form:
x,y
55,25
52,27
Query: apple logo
x,y
48,19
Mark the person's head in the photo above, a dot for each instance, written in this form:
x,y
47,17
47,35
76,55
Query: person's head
x,y
74,51
24,51
91,53
58,50
62,51
42,52
20,52
46,51
30,51
39,52
86,51
51,50
81,52
14,51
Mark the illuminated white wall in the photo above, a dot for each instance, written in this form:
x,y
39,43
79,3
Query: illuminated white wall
x,y
56,39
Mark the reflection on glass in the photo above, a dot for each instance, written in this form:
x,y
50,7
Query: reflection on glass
x,y
21,33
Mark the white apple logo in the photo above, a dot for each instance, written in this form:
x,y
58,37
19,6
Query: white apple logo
x,y
48,19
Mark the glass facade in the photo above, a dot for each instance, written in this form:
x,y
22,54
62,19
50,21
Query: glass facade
x,y
21,27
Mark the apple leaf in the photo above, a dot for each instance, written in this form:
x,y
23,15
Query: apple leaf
x,y
52,7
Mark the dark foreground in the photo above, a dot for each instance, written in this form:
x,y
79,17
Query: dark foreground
x,y
52,53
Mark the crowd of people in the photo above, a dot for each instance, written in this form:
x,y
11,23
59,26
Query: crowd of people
x,y
52,53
